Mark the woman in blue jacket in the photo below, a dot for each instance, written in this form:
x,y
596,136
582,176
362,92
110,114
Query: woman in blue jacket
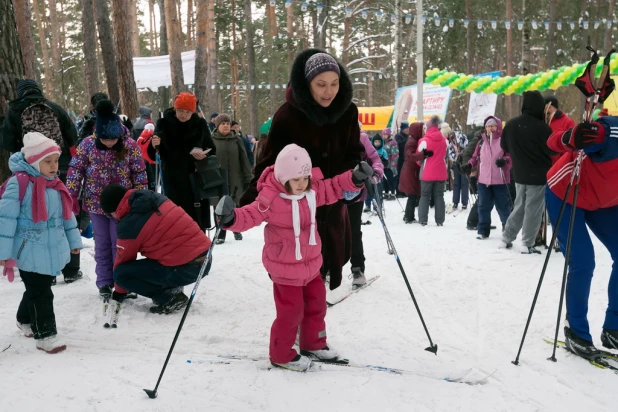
x,y
38,233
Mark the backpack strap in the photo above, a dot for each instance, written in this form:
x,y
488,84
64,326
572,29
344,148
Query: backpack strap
x,y
22,181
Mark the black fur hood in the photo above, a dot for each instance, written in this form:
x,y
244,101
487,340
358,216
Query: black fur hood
x,y
299,95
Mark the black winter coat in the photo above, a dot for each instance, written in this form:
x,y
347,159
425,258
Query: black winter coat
x,y
401,140
331,136
177,141
11,137
525,139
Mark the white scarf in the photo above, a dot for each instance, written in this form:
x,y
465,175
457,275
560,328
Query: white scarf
x,y
310,195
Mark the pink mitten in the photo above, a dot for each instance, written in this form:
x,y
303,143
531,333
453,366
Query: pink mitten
x,y
8,269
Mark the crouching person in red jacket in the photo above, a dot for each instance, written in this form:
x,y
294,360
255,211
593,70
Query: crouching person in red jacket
x,y
169,239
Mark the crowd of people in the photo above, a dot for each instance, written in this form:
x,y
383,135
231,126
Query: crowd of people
x,y
148,188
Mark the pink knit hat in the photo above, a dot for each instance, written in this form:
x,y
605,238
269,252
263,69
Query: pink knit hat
x,y
292,162
37,147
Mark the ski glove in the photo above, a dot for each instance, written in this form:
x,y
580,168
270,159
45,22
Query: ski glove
x,y
361,172
584,135
225,211
501,162
427,153
466,169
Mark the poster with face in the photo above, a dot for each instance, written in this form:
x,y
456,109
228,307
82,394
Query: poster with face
x,y
435,102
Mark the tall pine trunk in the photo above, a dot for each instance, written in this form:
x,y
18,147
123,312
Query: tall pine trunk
x,y
89,46
201,51
106,39
124,58
346,41
45,53
551,35
251,92
509,54
174,45
26,40
398,32
164,92
607,40
151,32
190,32
213,71
290,27
270,44
55,49
12,69
133,27
323,25
469,40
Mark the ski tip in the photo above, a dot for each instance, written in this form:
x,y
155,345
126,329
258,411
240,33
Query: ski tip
x,y
433,349
151,394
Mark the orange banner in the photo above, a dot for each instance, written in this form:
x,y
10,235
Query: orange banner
x,y
375,118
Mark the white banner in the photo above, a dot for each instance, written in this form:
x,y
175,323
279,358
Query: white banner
x,y
435,102
155,71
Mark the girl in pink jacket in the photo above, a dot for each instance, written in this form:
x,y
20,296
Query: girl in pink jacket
x,y
289,194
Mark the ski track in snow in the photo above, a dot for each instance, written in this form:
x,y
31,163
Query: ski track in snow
x,y
474,297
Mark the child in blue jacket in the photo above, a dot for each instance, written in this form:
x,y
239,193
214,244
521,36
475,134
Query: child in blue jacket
x,y
38,232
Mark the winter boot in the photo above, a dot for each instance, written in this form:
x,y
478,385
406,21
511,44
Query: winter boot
x,y
325,354
237,236
178,302
367,210
470,227
505,245
51,344
464,207
358,278
71,279
529,250
219,241
105,292
482,237
579,346
298,364
609,338
54,281
26,329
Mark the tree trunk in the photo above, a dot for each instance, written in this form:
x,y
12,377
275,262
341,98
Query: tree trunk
x,y
323,25
346,41
607,41
124,58
12,69
164,92
234,68
201,52
509,54
290,26
270,46
251,92
551,35
28,52
46,66
106,39
89,46
55,48
190,34
213,71
397,29
469,40
151,35
314,24
525,54
174,44
133,27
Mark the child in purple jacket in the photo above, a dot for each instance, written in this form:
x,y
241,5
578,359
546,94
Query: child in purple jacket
x,y
110,155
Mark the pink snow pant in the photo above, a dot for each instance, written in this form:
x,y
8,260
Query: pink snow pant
x,y
303,306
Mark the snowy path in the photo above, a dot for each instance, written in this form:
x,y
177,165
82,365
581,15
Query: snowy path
x,y
474,297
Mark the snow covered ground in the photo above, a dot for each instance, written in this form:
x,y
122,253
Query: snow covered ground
x,y
474,297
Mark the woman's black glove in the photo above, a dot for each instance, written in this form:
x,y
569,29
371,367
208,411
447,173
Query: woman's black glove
x,y
427,153
501,162
361,172
225,211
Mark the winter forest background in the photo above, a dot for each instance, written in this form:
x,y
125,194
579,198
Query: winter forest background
x,y
78,47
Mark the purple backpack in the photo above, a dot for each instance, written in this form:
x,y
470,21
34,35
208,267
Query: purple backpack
x,y
22,180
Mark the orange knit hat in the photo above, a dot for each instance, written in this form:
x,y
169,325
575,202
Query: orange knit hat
x,y
185,101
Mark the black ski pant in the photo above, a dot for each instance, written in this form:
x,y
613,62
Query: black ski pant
x,y
411,206
37,305
355,212
389,182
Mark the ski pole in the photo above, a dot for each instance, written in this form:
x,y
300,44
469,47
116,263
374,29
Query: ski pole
x,y
507,187
433,348
152,393
544,270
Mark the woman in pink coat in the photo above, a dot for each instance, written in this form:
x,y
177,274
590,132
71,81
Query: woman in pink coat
x,y
288,195
433,172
